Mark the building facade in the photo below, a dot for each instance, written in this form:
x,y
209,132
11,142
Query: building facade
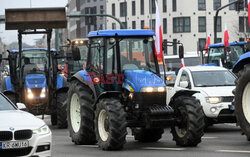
x,y
187,21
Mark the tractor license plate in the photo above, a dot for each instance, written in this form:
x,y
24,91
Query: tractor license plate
x,y
14,144
231,107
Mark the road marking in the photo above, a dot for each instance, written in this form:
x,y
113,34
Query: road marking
x,y
208,137
90,146
233,151
163,148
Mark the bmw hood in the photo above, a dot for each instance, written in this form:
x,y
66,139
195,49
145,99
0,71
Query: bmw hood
x,y
19,120
35,81
217,91
138,79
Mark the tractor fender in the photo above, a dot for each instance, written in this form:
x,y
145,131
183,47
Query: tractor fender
x,y
107,94
243,60
181,93
79,76
61,81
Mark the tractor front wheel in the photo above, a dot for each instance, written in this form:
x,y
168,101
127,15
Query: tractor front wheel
x,y
191,128
61,110
110,124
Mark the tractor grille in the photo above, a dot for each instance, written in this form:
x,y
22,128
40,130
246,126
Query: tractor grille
x,y
227,99
23,134
6,135
35,81
36,91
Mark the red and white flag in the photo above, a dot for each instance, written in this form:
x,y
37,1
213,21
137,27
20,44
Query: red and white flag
x,y
208,42
249,12
226,37
158,35
182,62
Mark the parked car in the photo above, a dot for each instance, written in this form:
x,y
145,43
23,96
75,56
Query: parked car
x,y
21,133
215,86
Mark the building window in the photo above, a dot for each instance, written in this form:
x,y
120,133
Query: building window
x,y
181,24
142,7
219,40
174,47
247,25
164,26
125,24
164,5
218,23
232,7
217,4
152,7
174,5
113,25
201,4
241,24
202,24
142,24
123,9
133,25
153,25
202,43
133,8
101,9
113,9
241,39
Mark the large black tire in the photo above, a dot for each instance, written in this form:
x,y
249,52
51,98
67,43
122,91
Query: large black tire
x,y
53,119
110,124
147,135
241,83
12,97
191,129
61,110
86,133
53,113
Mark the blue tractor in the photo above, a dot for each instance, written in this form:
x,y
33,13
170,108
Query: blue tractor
x,y
34,78
242,92
217,54
121,87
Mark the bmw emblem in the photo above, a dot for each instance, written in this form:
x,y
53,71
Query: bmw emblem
x,y
12,129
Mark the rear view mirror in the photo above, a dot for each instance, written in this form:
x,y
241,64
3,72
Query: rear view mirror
x,y
181,51
21,106
184,84
76,53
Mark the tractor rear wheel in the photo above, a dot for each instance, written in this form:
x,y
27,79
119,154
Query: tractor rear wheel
x,y
12,97
53,114
61,110
147,135
242,100
110,124
191,128
80,113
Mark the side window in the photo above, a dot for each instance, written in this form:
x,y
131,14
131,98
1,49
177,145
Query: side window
x,y
184,77
97,59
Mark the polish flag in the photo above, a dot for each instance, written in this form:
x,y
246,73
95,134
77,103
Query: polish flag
x,y
182,62
249,12
226,38
208,42
158,35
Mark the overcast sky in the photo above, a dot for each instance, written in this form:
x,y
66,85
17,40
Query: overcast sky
x,y
10,36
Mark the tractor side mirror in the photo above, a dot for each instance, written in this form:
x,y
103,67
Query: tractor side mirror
x,y
181,51
184,84
76,53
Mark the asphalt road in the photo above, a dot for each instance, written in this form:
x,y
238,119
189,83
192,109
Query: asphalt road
x,y
219,141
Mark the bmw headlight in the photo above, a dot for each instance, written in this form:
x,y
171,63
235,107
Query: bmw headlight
x,y
213,100
43,93
42,131
30,94
153,89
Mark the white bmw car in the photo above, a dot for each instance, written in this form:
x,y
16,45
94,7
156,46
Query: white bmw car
x,y
21,133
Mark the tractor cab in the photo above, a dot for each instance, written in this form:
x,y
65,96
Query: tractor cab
x,y
220,57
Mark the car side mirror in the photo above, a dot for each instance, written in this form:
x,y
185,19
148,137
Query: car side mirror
x,y
21,106
181,51
184,84
76,53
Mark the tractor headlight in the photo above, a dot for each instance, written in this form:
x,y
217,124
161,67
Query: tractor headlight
x,y
153,89
30,94
42,131
213,100
43,93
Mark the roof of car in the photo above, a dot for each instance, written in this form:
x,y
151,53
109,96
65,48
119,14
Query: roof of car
x,y
122,32
204,68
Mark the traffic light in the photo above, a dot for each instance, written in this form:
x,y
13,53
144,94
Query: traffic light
x,y
239,5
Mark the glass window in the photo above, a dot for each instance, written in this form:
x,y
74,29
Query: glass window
x,y
142,7
113,9
133,24
96,55
164,5
174,5
241,24
202,24
113,25
202,43
152,7
232,7
181,24
164,26
201,4
111,57
217,4
5,104
133,8
123,9
247,25
184,77
142,24
218,23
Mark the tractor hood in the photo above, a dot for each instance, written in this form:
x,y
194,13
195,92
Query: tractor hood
x,y
35,81
138,79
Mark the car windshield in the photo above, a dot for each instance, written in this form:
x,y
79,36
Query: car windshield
x,y
5,104
213,78
137,54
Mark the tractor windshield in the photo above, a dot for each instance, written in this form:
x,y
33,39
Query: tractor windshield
x,y
79,65
34,62
137,54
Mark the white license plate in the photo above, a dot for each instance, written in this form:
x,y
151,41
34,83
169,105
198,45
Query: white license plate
x,y
14,144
